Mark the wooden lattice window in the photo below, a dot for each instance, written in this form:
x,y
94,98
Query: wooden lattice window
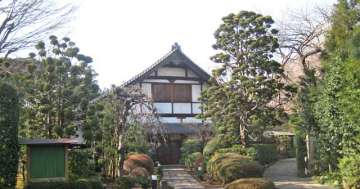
x,y
171,92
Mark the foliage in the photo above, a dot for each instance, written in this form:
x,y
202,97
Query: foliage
x,y
300,155
78,184
330,178
190,146
139,160
248,79
230,166
194,160
79,163
139,172
350,171
9,149
60,83
211,146
265,153
129,182
125,182
234,149
251,183
123,127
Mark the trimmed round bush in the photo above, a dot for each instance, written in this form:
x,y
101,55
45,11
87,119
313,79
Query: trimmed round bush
x,y
138,160
231,166
251,183
139,172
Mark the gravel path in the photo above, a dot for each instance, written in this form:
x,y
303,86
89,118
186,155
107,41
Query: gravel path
x,y
283,173
177,177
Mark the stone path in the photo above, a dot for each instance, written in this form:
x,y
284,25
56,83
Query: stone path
x,y
177,177
283,173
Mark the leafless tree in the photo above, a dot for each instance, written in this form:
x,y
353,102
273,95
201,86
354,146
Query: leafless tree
x,y
24,22
302,35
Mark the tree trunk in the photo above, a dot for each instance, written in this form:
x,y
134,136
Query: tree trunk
x,y
310,152
243,136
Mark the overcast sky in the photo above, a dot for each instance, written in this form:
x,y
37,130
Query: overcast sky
x,y
125,37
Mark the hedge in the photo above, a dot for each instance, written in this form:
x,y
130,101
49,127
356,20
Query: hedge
x,y
79,184
264,153
80,164
9,147
231,166
251,183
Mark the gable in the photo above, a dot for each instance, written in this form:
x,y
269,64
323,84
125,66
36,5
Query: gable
x,y
173,64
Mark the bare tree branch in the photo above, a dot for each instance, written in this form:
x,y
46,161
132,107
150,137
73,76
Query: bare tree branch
x,y
25,22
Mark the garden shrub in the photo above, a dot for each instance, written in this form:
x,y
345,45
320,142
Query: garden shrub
x,y
194,160
138,160
139,172
300,155
265,153
239,149
211,146
230,166
251,183
125,183
80,164
78,184
350,171
190,146
9,148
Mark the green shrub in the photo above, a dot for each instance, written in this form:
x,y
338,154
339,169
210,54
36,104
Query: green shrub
x,y
251,183
194,160
211,147
129,182
125,183
350,171
80,165
190,146
265,153
78,184
230,166
300,155
9,148
330,178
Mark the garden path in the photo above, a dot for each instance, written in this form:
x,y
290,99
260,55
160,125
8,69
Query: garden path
x,y
283,173
177,177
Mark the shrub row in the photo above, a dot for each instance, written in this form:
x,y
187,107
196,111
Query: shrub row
x,y
79,184
263,153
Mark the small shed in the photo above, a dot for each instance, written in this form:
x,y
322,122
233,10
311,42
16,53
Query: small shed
x,y
46,159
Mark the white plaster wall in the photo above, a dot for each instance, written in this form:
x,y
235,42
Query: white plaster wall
x,y
146,89
186,82
196,92
191,74
169,120
182,108
192,120
196,108
156,80
164,108
167,71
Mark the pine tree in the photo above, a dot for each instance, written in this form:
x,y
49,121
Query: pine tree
x,y
242,89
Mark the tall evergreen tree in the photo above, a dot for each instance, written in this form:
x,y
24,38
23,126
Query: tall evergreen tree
x,y
242,91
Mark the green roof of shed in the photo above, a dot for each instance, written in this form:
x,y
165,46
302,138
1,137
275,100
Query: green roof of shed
x,y
62,141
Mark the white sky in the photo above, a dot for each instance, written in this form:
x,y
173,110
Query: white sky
x,y
126,36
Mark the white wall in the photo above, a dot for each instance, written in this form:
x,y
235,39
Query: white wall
x,y
196,92
163,108
182,108
168,71
146,89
